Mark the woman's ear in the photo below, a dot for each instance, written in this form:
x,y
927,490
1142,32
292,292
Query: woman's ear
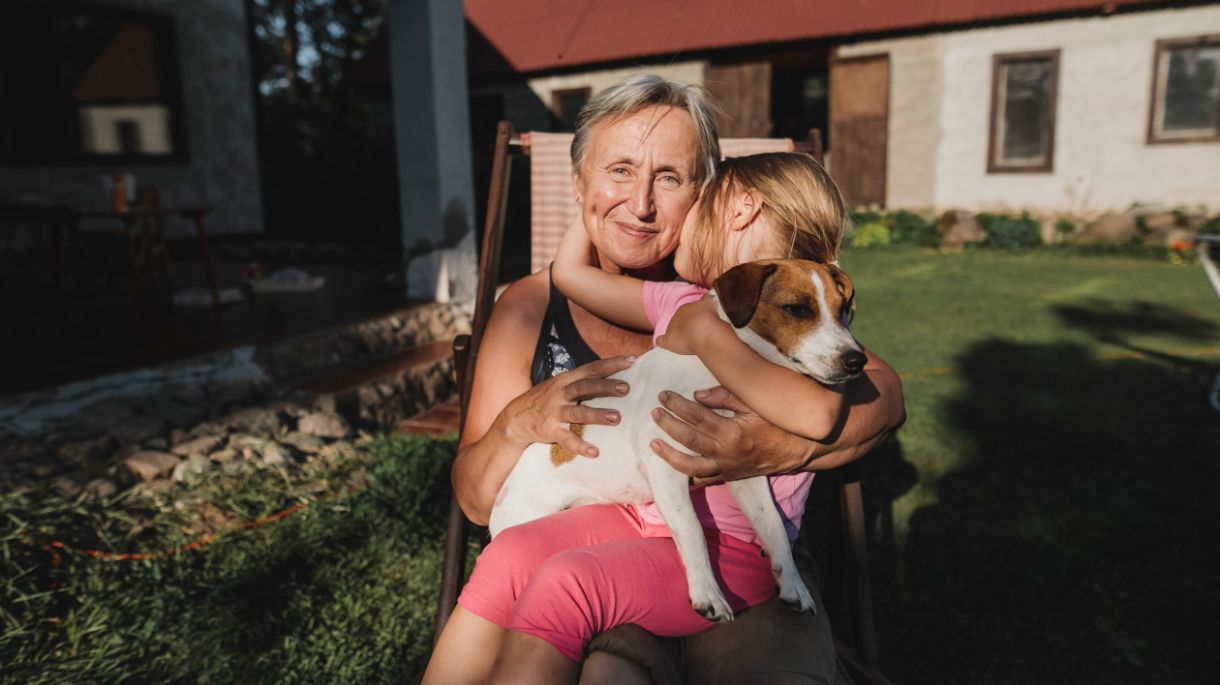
x,y
744,208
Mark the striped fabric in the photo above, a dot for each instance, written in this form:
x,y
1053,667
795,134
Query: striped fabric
x,y
553,199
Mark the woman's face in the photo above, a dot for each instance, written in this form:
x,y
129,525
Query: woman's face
x,y
636,184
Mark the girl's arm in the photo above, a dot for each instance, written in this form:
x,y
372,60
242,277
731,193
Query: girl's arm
x,y
616,298
792,401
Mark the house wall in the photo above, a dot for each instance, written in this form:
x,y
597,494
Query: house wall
x,y
683,72
913,134
222,170
941,99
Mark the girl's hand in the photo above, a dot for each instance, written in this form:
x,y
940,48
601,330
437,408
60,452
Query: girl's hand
x,y
546,412
684,330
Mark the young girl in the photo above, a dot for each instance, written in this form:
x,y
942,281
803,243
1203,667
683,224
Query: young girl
x,y
571,575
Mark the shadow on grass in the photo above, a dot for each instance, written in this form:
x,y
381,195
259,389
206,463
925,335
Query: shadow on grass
x,y
1074,544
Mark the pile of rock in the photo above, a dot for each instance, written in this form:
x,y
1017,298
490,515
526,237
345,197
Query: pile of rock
x,y
168,435
1149,225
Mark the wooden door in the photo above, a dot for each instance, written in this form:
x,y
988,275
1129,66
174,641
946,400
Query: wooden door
x,y
859,118
743,92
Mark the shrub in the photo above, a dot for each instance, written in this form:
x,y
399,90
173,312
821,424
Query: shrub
x,y
907,227
1064,226
860,216
1212,225
1005,232
871,234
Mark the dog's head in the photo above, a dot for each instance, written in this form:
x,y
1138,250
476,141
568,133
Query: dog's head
x,y
794,312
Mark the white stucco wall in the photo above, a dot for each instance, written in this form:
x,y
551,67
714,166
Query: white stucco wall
x,y
916,90
1101,157
684,72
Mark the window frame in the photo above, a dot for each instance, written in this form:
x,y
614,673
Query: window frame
x,y
169,55
1159,52
998,61
557,96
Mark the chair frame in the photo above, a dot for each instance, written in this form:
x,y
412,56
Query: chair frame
x,y
847,572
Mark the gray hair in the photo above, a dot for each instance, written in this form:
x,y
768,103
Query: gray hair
x,y
636,93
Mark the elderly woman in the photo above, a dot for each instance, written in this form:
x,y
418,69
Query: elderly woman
x,y
642,151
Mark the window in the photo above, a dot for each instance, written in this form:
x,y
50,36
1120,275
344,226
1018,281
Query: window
x,y
1186,91
566,104
1023,94
82,83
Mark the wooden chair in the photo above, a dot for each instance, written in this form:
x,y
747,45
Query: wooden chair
x,y
846,573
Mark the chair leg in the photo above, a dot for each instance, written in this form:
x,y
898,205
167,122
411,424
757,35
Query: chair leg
x,y
852,503
454,567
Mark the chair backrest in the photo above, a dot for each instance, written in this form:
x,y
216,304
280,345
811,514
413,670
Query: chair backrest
x,y
553,198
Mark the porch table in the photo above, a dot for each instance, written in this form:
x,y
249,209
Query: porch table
x,y
145,229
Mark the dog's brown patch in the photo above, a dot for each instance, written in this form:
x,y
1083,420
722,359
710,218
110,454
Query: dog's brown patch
x,y
790,286
561,455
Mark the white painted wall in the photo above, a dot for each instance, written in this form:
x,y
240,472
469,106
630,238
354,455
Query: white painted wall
x,y
1101,158
683,72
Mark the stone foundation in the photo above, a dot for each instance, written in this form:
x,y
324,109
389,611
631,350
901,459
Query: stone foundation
x,y
160,426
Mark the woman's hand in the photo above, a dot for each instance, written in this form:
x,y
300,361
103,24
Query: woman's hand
x,y
726,448
546,412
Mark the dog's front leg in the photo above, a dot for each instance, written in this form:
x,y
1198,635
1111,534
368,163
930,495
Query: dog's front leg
x,y
753,497
672,493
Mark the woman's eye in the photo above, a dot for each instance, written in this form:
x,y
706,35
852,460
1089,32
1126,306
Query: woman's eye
x,y
618,171
800,311
670,180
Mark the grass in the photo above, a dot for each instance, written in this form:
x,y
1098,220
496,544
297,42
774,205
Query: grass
x,y
1043,517
343,592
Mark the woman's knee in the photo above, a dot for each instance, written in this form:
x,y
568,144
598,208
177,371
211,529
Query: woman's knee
x,y
566,593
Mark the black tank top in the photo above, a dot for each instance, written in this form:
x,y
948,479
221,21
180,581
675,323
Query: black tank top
x,y
560,347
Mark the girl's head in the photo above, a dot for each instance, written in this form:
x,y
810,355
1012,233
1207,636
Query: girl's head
x,y
773,205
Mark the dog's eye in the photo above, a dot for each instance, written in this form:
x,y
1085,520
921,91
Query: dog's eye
x,y
800,311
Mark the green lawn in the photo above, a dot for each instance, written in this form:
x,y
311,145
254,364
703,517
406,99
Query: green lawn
x,y
1050,493
1043,517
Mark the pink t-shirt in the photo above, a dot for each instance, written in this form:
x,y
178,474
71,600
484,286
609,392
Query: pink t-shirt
x,y
714,504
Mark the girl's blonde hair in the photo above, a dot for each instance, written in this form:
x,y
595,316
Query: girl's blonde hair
x,y
798,196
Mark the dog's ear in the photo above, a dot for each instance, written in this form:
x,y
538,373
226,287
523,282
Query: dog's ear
x,y
847,290
739,289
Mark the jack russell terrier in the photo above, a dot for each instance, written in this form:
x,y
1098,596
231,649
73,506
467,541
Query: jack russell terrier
x,y
793,313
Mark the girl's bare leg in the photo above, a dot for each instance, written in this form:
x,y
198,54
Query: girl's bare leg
x,y
604,668
529,660
466,652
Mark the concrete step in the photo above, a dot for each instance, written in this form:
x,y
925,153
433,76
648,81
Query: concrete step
x,y
381,393
443,419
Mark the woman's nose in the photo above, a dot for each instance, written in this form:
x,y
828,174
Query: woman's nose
x,y
640,203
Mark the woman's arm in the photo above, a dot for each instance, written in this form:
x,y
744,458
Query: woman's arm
x,y
785,398
506,413
616,298
747,445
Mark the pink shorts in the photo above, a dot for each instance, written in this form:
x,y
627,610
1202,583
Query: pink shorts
x,y
572,575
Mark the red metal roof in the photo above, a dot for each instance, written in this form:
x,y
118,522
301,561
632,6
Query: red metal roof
x,y
537,35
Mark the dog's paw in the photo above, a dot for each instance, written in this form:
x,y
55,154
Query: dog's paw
x,y
713,608
797,597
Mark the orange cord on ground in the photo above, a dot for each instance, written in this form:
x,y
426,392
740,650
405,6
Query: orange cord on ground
x,y
54,546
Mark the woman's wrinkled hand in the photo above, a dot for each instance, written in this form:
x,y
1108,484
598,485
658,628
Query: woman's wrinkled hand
x,y
721,448
547,411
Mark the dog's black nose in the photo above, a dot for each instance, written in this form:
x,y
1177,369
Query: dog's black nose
x,y
853,362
